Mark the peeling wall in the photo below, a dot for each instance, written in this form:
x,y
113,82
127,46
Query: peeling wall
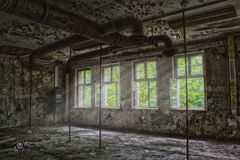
x,y
213,122
14,93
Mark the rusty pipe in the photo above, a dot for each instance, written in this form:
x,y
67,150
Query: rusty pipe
x,y
123,23
166,40
48,14
42,12
114,39
45,13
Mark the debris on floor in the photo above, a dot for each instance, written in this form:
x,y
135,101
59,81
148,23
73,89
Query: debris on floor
x,y
51,143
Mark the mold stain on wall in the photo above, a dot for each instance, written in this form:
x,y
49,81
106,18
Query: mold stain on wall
x,y
14,93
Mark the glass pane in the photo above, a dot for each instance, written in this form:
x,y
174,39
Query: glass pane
x,y
81,77
180,66
112,95
173,93
87,96
151,69
153,94
88,76
196,65
140,71
143,94
80,96
107,74
196,93
196,98
116,73
182,93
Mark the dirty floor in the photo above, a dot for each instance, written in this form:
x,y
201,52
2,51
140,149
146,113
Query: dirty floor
x,y
51,143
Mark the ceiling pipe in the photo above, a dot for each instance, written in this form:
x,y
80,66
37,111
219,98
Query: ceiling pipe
x,y
124,23
179,45
48,14
167,49
113,39
42,12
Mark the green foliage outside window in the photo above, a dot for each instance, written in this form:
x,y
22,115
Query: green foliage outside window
x,y
145,85
84,88
196,95
110,89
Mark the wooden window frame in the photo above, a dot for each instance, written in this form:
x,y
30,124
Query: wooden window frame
x,y
145,79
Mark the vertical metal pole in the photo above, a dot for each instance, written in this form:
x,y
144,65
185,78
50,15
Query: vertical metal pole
x,y
186,80
30,93
100,99
69,95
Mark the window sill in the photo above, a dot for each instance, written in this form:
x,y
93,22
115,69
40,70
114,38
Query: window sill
x,y
109,107
78,107
184,109
145,108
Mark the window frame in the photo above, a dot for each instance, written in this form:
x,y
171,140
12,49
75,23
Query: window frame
x,y
117,83
146,79
176,77
77,85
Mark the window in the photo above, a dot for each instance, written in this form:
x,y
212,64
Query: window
x,y
83,88
145,84
196,91
110,87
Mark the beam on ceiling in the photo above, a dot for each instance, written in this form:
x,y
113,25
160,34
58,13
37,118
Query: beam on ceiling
x,y
56,46
186,10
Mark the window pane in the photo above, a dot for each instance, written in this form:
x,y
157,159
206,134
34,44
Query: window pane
x,y
143,94
196,65
180,66
151,69
81,77
182,97
140,71
107,74
88,76
195,93
80,96
112,95
153,93
87,96
173,92
115,73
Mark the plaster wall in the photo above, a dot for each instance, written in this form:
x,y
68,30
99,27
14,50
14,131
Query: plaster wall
x,y
212,122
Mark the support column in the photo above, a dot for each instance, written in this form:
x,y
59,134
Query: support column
x,y
232,74
125,84
233,120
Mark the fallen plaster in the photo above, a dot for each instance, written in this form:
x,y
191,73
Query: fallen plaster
x,y
51,143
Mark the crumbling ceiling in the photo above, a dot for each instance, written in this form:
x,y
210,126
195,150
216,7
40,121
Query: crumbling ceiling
x,y
26,34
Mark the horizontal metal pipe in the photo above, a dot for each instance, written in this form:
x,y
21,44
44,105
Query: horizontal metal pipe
x,y
45,13
123,23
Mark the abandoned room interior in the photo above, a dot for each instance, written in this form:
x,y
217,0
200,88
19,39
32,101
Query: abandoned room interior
x,y
120,79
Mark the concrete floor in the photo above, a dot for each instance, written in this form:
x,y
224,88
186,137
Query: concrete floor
x,y
50,143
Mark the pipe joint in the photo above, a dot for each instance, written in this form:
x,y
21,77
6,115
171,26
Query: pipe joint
x,y
8,5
